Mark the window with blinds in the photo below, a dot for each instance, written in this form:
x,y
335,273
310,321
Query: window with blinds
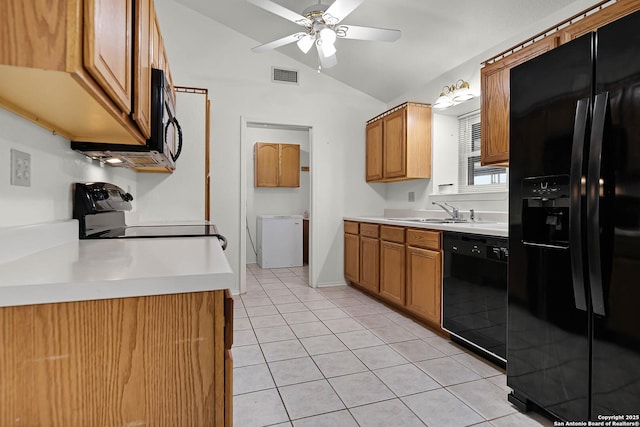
x,y
471,176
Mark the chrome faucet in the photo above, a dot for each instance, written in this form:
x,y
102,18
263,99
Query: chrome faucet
x,y
455,214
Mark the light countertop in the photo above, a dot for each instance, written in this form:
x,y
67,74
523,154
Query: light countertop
x,y
66,269
487,228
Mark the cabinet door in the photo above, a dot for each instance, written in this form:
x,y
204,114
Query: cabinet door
x,y
289,168
394,145
424,283
156,41
374,151
352,257
370,263
494,82
142,72
108,26
266,159
392,257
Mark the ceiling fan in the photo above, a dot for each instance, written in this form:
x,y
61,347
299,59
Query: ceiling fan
x,y
322,28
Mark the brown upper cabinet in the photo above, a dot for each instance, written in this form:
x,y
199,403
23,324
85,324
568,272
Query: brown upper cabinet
x,y
374,151
108,47
80,68
276,165
145,14
494,76
158,52
398,144
494,111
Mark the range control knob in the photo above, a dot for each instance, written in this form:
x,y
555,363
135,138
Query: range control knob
x,y
127,197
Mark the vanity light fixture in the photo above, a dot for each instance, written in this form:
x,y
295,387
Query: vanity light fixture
x,y
453,95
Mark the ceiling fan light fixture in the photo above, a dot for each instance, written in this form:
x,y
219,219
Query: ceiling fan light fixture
x,y
305,42
328,36
322,26
325,49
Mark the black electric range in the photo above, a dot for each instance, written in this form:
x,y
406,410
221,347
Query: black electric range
x,y
99,208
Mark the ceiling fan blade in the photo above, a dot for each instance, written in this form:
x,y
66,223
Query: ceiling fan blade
x,y
368,33
339,10
285,13
328,61
277,43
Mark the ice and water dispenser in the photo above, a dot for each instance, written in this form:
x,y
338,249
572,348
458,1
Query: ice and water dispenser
x,y
545,211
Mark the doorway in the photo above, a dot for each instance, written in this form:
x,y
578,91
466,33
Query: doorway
x,y
272,201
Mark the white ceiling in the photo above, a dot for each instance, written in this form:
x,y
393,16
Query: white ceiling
x,y
437,36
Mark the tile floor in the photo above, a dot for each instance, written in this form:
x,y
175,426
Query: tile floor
x,y
337,357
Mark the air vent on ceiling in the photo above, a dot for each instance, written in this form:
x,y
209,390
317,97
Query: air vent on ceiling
x,y
282,75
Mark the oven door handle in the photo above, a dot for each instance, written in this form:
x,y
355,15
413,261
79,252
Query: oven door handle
x,y
222,239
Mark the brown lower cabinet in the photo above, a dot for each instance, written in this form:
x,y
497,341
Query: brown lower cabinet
x,y
352,251
392,264
424,283
370,264
160,360
402,267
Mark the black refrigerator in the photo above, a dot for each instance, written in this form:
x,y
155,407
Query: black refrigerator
x,y
573,330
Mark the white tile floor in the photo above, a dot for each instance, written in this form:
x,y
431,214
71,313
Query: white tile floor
x,y
337,357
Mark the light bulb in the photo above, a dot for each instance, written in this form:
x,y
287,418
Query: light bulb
x,y
327,35
305,42
443,102
325,49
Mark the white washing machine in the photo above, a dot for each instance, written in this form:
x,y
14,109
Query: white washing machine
x,y
279,240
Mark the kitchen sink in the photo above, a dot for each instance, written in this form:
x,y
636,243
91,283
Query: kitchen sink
x,y
441,221
431,220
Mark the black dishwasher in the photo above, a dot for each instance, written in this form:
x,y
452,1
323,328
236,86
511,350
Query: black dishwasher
x,y
474,295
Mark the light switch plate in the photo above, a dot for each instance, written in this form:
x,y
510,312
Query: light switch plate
x,y
20,168
412,196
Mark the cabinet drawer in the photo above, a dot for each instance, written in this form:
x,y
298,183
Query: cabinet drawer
x,y
423,238
369,230
351,227
392,234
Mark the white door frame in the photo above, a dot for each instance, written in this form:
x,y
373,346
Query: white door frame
x,y
244,157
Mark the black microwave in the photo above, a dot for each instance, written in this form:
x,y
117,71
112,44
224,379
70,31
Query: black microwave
x,y
161,150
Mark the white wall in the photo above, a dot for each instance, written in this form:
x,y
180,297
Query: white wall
x,y
275,201
446,161
178,196
54,167
204,53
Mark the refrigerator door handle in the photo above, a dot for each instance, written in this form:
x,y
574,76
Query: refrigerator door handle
x,y
575,210
595,188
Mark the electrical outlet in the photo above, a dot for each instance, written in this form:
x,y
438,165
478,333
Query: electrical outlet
x,y
20,168
412,196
